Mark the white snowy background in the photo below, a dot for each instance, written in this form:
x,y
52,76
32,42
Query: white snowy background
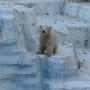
x,y
21,68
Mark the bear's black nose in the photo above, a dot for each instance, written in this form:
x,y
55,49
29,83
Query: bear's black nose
x,y
43,31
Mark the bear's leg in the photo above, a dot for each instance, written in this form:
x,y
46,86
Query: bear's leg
x,y
49,51
55,50
41,49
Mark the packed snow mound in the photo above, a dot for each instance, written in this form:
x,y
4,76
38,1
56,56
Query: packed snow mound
x,y
21,19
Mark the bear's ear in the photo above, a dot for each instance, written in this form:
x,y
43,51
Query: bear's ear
x,y
49,28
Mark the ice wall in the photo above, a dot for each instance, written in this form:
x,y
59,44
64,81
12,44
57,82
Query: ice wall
x,y
18,70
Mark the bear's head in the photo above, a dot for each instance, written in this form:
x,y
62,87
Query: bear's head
x,y
44,29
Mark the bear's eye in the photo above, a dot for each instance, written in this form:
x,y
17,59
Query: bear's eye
x,y
43,31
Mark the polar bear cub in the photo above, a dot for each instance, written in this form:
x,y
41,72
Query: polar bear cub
x,y
48,40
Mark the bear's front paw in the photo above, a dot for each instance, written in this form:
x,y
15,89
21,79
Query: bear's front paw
x,y
49,55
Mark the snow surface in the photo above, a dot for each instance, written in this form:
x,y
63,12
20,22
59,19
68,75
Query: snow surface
x,y
22,69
